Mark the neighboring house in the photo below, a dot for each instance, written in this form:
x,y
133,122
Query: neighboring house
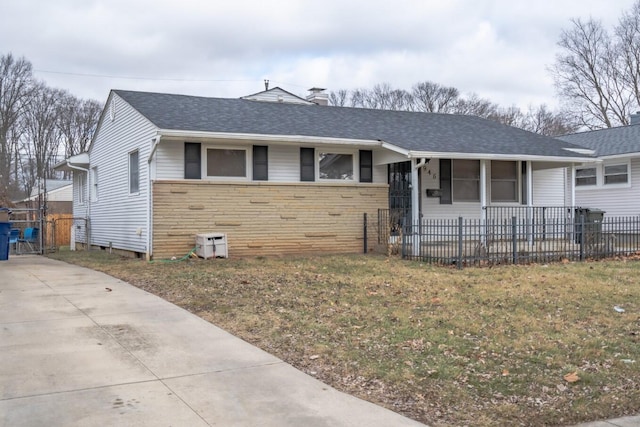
x,y
58,197
612,185
291,178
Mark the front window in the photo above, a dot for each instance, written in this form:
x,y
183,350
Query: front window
x,y
585,176
616,174
336,166
134,172
504,181
226,163
466,180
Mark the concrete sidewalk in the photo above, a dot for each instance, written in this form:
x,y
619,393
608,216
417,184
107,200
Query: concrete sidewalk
x,y
80,348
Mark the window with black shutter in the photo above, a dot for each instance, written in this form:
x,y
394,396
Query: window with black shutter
x,y
192,160
260,163
445,181
307,164
366,166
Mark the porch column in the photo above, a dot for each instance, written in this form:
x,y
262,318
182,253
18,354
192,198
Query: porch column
x,y
416,164
530,202
483,200
572,179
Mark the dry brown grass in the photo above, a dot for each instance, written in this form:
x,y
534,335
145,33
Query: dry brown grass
x,y
445,347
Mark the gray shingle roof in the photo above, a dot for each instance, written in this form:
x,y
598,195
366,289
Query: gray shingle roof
x,y
609,142
430,132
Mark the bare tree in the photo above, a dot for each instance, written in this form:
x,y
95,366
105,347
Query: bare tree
x,y
77,122
546,122
434,98
339,98
597,75
41,141
16,82
628,38
473,105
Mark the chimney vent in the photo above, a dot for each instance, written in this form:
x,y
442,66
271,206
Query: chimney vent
x,y
634,119
317,96
266,84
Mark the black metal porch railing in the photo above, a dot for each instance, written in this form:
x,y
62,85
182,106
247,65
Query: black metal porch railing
x,y
530,235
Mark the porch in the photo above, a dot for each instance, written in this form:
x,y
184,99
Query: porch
x,y
512,235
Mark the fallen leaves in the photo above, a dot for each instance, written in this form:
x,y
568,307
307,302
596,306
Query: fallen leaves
x,y
572,377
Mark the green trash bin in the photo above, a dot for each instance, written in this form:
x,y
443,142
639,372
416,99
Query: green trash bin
x,y
593,219
5,230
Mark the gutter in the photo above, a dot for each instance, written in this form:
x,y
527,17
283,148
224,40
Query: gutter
x,y
294,139
88,199
485,156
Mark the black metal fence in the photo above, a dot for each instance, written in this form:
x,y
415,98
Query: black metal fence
x,y
532,235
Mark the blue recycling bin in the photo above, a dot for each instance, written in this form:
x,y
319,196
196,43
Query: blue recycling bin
x,y
5,230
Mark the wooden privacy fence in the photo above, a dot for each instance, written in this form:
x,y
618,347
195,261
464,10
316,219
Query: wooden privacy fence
x,y
59,230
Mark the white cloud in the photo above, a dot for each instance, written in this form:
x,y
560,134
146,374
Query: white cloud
x,y
498,49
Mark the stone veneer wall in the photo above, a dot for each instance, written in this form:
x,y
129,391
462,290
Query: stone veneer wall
x,y
262,218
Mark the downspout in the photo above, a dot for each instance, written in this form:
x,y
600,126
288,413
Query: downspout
x,y
88,199
149,254
415,205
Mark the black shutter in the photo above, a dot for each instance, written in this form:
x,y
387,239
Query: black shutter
x,y
307,164
260,163
523,183
192,160
366,166
445,181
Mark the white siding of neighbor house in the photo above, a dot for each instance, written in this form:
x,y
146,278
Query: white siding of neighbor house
x,y
615,200
79,209
284,161
119,219
277,95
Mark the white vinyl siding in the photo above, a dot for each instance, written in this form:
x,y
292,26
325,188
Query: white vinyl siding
x,y
614,199
120,218
549,187
80,186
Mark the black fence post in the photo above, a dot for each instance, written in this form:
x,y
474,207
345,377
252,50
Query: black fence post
x,y
365,232
514,241
460,237
582,233
404,238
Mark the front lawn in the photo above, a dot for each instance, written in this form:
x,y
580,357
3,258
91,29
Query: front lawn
x,y
517,345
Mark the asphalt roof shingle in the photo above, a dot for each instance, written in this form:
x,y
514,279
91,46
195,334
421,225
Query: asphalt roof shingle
x,y
608,142
416,131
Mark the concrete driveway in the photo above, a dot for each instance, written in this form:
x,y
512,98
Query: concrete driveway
x,y
80,348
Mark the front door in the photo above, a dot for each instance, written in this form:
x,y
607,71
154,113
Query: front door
x,y
400,192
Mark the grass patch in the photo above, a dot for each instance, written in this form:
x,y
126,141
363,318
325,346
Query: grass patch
x,y
445,347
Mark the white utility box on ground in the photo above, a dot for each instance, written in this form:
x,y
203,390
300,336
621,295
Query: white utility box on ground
x,y
212,245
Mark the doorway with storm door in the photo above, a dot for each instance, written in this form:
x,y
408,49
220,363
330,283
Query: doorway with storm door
x,y
399,195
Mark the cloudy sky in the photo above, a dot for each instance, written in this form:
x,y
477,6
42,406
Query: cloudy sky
x,y
499,49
